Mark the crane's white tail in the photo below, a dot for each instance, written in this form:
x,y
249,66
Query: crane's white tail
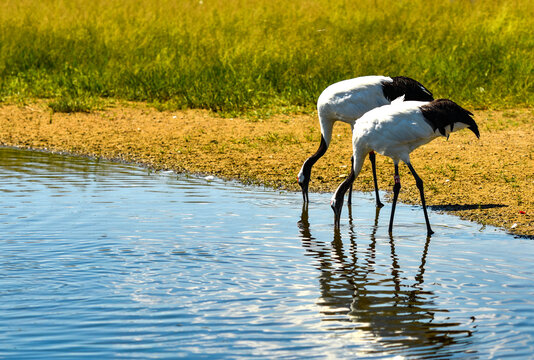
x,y
398,100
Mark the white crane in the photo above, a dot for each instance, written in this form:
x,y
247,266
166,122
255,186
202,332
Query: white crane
x,y
396,130
347,101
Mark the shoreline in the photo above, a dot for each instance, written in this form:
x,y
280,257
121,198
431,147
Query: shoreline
x,y
490,181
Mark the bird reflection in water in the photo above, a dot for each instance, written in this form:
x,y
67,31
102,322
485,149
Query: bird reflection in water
x,y
380,306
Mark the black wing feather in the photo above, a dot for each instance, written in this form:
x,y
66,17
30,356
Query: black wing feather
x,y
441,113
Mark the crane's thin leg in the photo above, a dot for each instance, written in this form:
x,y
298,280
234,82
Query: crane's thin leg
x,y
349,200
396,189
419,184
372,158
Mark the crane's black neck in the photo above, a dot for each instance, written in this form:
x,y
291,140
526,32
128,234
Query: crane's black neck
x,y
313,159
345,185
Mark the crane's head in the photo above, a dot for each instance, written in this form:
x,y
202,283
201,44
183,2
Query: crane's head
x,y
336,203
303,179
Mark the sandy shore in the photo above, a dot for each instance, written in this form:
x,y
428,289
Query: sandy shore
x,y
490,180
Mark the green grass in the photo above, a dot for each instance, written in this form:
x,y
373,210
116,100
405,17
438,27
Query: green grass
x,y
244,55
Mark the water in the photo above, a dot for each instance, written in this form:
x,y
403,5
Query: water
x,y
104,260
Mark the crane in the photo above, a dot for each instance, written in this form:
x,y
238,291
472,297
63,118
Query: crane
x,y
347,101
396,130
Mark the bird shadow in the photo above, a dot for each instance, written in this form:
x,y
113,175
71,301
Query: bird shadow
x,y
458,207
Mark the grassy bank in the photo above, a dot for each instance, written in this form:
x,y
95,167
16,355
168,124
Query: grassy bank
x,y
244,55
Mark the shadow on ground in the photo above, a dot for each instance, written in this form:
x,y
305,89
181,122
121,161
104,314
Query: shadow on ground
x,y
457,207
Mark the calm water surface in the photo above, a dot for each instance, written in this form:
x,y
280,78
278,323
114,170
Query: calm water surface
x,y
103,260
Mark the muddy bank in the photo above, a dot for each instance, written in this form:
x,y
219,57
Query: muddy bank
x,y
490,180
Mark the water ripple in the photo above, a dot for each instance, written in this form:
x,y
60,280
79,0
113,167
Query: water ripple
x,y
102,260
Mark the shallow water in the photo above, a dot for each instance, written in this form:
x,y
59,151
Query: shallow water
x,y
105,260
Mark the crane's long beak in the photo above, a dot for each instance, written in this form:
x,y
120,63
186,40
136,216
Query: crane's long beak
x,y
305,196
337,219
337,199
337,206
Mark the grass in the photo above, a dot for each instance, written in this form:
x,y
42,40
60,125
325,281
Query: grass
x,y
239,56
73,104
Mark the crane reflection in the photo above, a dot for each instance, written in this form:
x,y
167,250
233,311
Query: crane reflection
x,y
381,306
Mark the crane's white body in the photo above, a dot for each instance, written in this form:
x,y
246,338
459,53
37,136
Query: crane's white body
x,y
348,100
394,130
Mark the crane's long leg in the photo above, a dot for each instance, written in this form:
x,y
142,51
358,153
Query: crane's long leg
x,y
349,200
419,184
372,158
396,189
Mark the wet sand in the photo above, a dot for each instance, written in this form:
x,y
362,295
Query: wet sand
x,y
490,180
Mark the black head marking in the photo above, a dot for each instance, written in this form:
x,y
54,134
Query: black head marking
x,y
441,113
410,88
